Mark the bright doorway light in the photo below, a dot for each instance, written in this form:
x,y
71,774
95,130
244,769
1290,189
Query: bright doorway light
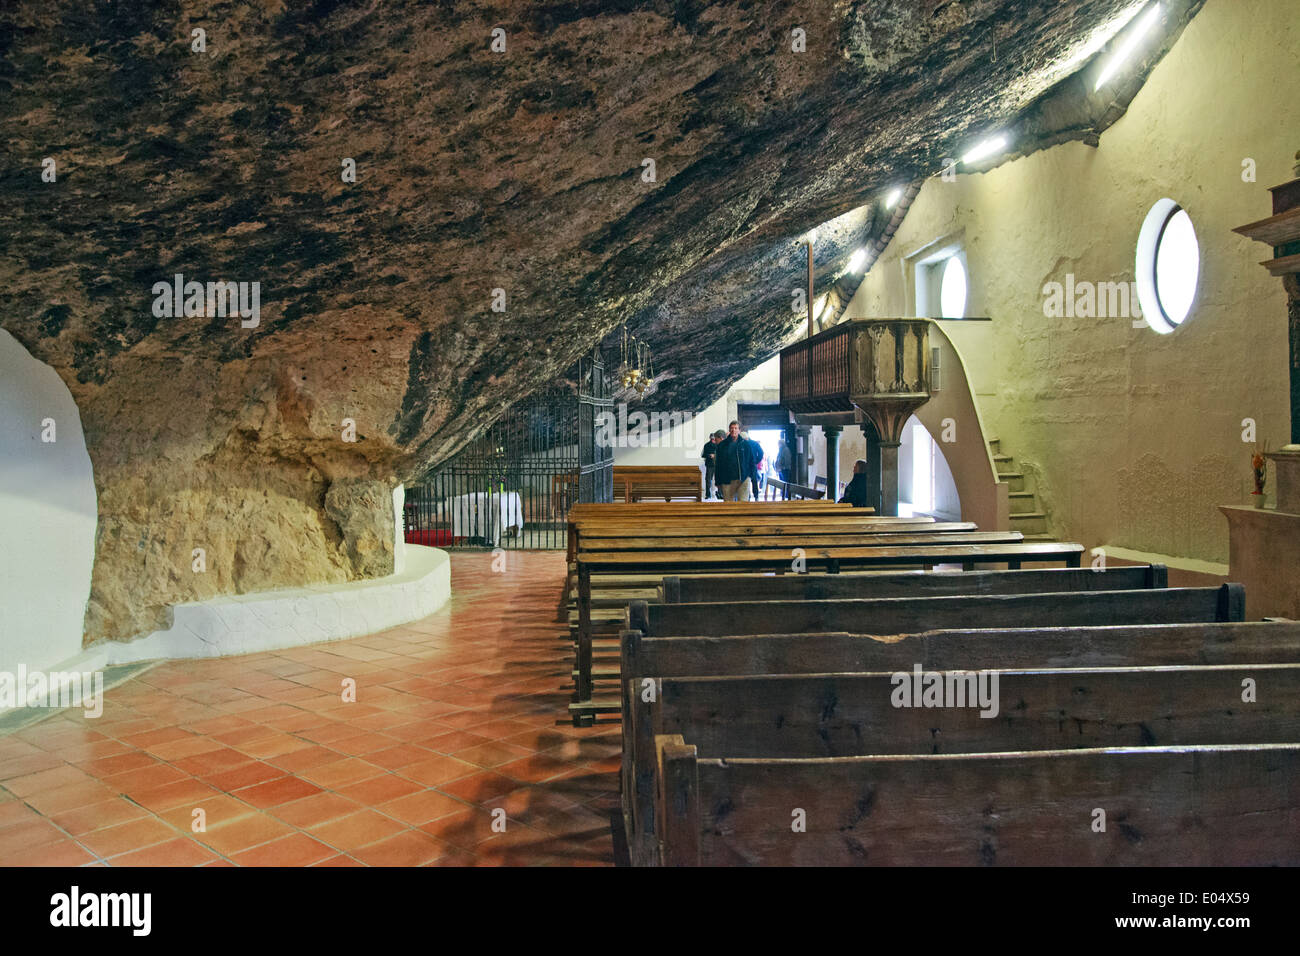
x,y
892,199
857,259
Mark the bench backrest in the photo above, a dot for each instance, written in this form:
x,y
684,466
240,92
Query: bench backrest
x,y
839,538
817,556
1138,645
845,715
793,587
909,615
1202,806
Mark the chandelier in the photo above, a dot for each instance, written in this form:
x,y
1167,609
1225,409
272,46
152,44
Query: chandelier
x,y
636,365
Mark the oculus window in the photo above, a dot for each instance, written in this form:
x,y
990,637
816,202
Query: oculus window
x,y
1168,266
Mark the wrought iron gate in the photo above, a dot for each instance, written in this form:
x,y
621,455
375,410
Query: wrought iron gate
x,y
512,486
595,450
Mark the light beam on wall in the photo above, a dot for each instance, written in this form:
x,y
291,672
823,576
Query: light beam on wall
x,y
1126,48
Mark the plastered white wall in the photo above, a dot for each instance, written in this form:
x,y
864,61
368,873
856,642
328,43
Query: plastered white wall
x,y
47,515
681,445
1134,438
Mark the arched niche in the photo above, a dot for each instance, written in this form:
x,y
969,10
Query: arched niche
x,y
47,514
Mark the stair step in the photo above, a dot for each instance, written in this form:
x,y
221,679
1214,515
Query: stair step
x,y
1040,536
1020,494
1027,514
1002,458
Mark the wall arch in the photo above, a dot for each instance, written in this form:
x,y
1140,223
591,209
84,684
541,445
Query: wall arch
x,y
48,514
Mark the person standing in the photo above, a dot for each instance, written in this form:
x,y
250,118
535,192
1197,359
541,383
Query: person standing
x,y
784,461
710,463
734,463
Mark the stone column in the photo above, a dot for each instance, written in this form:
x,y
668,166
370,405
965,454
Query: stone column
x,y
832,460
873,465
889,477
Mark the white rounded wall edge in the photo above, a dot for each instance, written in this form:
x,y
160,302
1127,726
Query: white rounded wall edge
x,y
48,514
292,617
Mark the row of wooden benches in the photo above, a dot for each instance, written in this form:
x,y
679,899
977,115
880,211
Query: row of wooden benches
x,y
765,724
615,548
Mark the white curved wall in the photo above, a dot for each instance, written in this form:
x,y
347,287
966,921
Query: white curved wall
x,y
47,515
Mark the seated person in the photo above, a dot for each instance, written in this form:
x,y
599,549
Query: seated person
x,y
855,493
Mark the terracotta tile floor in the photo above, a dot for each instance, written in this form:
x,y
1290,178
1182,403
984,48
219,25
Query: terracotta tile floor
x,y
456,716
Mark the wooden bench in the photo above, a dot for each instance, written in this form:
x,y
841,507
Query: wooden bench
x,y
1194,806
635,482
704,514
846,715
764,559
790,490
1096,683
911,614
785,587
879,536
1137,645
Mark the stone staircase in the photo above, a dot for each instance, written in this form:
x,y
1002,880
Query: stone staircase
x,y
1027,516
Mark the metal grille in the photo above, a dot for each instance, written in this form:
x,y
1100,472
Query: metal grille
x,y
512,486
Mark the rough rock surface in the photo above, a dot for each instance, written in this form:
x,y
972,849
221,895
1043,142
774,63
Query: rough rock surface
x,y
476,170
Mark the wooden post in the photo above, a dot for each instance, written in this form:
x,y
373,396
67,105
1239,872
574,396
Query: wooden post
x,y
679,802
584,641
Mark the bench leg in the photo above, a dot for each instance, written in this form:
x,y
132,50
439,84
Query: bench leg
x,y
584,642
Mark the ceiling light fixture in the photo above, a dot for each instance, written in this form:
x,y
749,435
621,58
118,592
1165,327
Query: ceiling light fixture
x,y
1128,46
990,146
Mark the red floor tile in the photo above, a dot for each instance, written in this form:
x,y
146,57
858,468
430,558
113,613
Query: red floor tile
x,y
459,714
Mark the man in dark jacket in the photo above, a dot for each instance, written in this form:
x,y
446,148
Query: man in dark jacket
x,y
710,462
734,463
855,493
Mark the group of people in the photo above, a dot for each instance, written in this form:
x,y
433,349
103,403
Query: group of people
x,y
733,463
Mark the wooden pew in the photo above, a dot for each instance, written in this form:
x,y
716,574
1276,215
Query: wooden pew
x,y
881,536
785,587
659,481
765,559
673,669
791,490
910,614
706,513
687,528
1136,645
1196,806
853,714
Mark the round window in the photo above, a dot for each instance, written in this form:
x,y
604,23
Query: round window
x,y
952,289
1168,266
